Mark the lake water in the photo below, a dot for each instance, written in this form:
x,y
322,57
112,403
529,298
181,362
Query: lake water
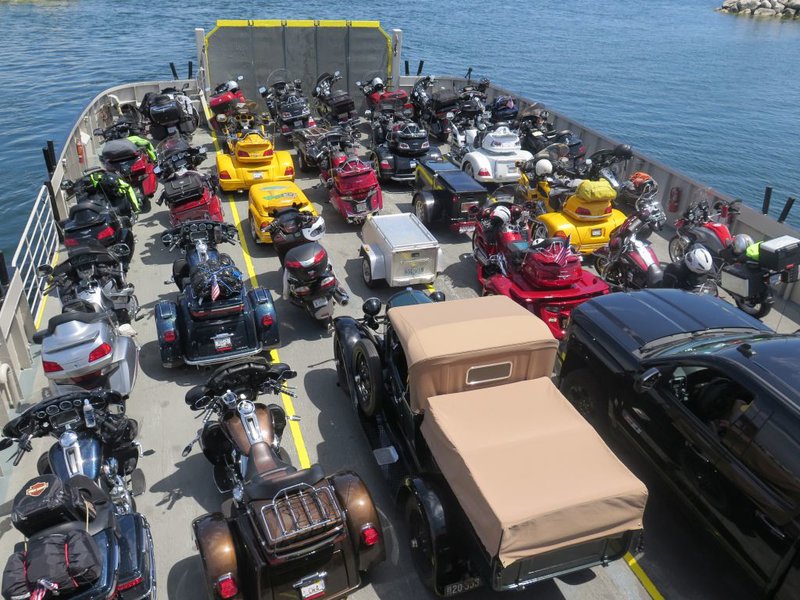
x,y
713,95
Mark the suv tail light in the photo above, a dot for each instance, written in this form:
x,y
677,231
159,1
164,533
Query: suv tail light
x,y
102,350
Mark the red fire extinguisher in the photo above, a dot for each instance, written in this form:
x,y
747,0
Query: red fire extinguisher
x,y
80,150
674,200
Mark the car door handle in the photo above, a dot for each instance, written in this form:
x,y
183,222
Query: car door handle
x,y
698,453
767,522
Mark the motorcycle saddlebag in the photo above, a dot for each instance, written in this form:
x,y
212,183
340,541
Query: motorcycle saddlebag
x,y
183,188
15,583
70,560
341,102
46,501
548,273
444,100
165,111
746,280
596,191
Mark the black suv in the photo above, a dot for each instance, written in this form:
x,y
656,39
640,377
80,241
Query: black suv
x,y
711,396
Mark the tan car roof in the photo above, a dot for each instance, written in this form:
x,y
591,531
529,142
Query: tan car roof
x,y
442,341
530,473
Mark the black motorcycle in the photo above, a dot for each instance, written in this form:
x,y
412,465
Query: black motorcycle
x,y
93,222
314,145
503,109
288,106
170,112
333,106
175,154
396,157
309,280
99,185
436,110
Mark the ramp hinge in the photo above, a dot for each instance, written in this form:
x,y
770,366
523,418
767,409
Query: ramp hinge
x,y
284,23
316,23
251,23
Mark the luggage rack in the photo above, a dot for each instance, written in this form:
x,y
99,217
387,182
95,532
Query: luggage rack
x,y
299,511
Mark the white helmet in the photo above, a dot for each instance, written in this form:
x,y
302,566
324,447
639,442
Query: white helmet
x,y
741,242
502,213
232,86
544,167
377,83
314,230
699,260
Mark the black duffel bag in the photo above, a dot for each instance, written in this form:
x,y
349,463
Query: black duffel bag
x,y
46,501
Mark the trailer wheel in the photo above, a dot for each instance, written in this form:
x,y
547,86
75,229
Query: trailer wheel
x,y
367,377
421,543
366,272
421,210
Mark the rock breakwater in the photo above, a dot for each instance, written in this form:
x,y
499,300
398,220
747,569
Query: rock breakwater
x,y
776,9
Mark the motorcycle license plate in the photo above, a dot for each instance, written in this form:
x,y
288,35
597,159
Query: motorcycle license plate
x,y
511,169
597,232
361,206
298,123
466,228
223,343
258,175
315,589
319,302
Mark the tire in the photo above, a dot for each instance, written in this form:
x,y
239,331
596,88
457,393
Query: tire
x,y
421,543
539,230
467,168
366,273
146,205
367,377
338,358
677,248
253,233
759,310
421,210
600,265
585,392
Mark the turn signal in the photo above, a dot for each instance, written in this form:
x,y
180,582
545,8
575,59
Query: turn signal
x,y
105,232
311,122
267,320
102,350
126,585
51,367
226,586
369,535
170,335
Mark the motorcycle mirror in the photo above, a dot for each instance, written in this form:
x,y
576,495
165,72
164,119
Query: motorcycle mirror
x,y
336,73
437,296
646,381
166,239
198,397
371,307
358,83
6,443
262,90
44,270
120,250
239,77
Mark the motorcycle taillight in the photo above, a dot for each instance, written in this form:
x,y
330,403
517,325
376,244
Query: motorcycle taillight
x,y
102,350
51,367
327,282
71,242
106,232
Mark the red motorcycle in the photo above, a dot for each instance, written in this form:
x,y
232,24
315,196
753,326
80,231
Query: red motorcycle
x,y
376,94
353,187
700,225
131,156
545,276
627,261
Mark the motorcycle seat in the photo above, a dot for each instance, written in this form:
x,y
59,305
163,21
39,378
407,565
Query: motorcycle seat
x,y
81,317
267,474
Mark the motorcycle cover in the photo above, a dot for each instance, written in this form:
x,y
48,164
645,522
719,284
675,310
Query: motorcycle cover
x,y
596,191
46,501
228,278
68,561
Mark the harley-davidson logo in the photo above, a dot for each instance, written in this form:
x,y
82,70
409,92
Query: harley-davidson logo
x,y
37,489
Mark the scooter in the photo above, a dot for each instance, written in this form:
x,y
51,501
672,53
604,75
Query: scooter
x,y
434,111
92,280
334,106
309,280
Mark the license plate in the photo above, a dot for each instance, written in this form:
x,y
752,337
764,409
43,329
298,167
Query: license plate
x,y
597,232
222,343
412,164
361,206
451,589
258,175
466,228
511,169
412,271
315,589
319,302
298,123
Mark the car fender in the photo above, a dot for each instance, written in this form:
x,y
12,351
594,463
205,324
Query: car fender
x,y
347,331
263,307
557,222
375,258
166,314
360,512
214,541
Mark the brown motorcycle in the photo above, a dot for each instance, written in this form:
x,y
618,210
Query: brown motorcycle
x,y
287,533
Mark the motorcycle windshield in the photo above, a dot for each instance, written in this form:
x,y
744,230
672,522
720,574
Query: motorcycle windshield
x,y
81,460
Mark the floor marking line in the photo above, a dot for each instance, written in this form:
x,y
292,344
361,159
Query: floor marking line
x,y
288,405
40,312
642,577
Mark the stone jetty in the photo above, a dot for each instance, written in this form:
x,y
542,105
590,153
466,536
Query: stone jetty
x,y
776,9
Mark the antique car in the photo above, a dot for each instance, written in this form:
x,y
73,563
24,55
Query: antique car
x,y
251,159
494,504
287,533
399,249
443,193
709,396
493,157
267,198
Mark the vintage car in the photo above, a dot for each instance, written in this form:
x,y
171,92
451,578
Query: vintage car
x,y
501,503
494,156
252,159
443,193
266,198
709,395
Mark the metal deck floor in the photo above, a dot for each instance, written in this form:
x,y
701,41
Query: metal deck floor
x,y
680,559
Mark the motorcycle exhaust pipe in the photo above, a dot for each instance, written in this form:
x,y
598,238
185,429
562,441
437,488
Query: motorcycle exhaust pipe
x,y
341,296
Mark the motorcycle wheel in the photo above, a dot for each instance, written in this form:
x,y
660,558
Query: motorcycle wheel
x,y
678,246
304,166
422,543
367,377
600,265
539,231
759,310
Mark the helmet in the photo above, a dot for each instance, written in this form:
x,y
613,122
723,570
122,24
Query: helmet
x,y
741,241
377,84
698,260
232,86
314,230
502,213
544,167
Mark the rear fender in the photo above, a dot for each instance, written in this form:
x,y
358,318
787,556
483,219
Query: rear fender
x,y
167,320
225,166
375,261
557,222
214,541
141,563
347,332
284,162
264,308
431,207
480,161
360,511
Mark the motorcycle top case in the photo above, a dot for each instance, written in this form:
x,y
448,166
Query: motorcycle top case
x,y
189,186
444,99
69,561
341,102
119,150
165,111
596,191
779,254
46,501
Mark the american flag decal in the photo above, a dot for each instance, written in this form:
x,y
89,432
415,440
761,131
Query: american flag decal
x,y
214,288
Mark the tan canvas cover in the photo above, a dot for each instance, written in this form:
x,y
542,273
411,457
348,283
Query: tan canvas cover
x,y
534,478
444,340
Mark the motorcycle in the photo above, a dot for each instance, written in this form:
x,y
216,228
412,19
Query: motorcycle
x,y
545,275
170,112
287,105
92,280
130,156
503,109
307,534
334,106
383,117
535,131
309,280
699,225
353,187
396,157
214,318
640,191
310,144
225,98
434,111
105,187
93,222
376,94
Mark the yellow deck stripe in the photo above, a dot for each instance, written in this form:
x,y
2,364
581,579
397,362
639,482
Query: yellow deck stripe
x,y
642,577
40,313
288,405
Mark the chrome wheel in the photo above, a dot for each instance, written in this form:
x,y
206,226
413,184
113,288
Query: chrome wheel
x,y
677,247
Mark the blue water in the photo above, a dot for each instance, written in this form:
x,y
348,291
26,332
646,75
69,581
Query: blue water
x,y
709,94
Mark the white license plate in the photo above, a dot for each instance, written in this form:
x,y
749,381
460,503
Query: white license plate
x,y
412,164
361,206
466,228
319,302
597,232
298,123
315,589
466,585
413,271
511,169
223,343
258,175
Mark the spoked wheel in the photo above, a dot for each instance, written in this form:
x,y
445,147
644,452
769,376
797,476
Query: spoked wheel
x,y
338,357
539,231
678,247
421,211
421,543
367,377
600,265
585,391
